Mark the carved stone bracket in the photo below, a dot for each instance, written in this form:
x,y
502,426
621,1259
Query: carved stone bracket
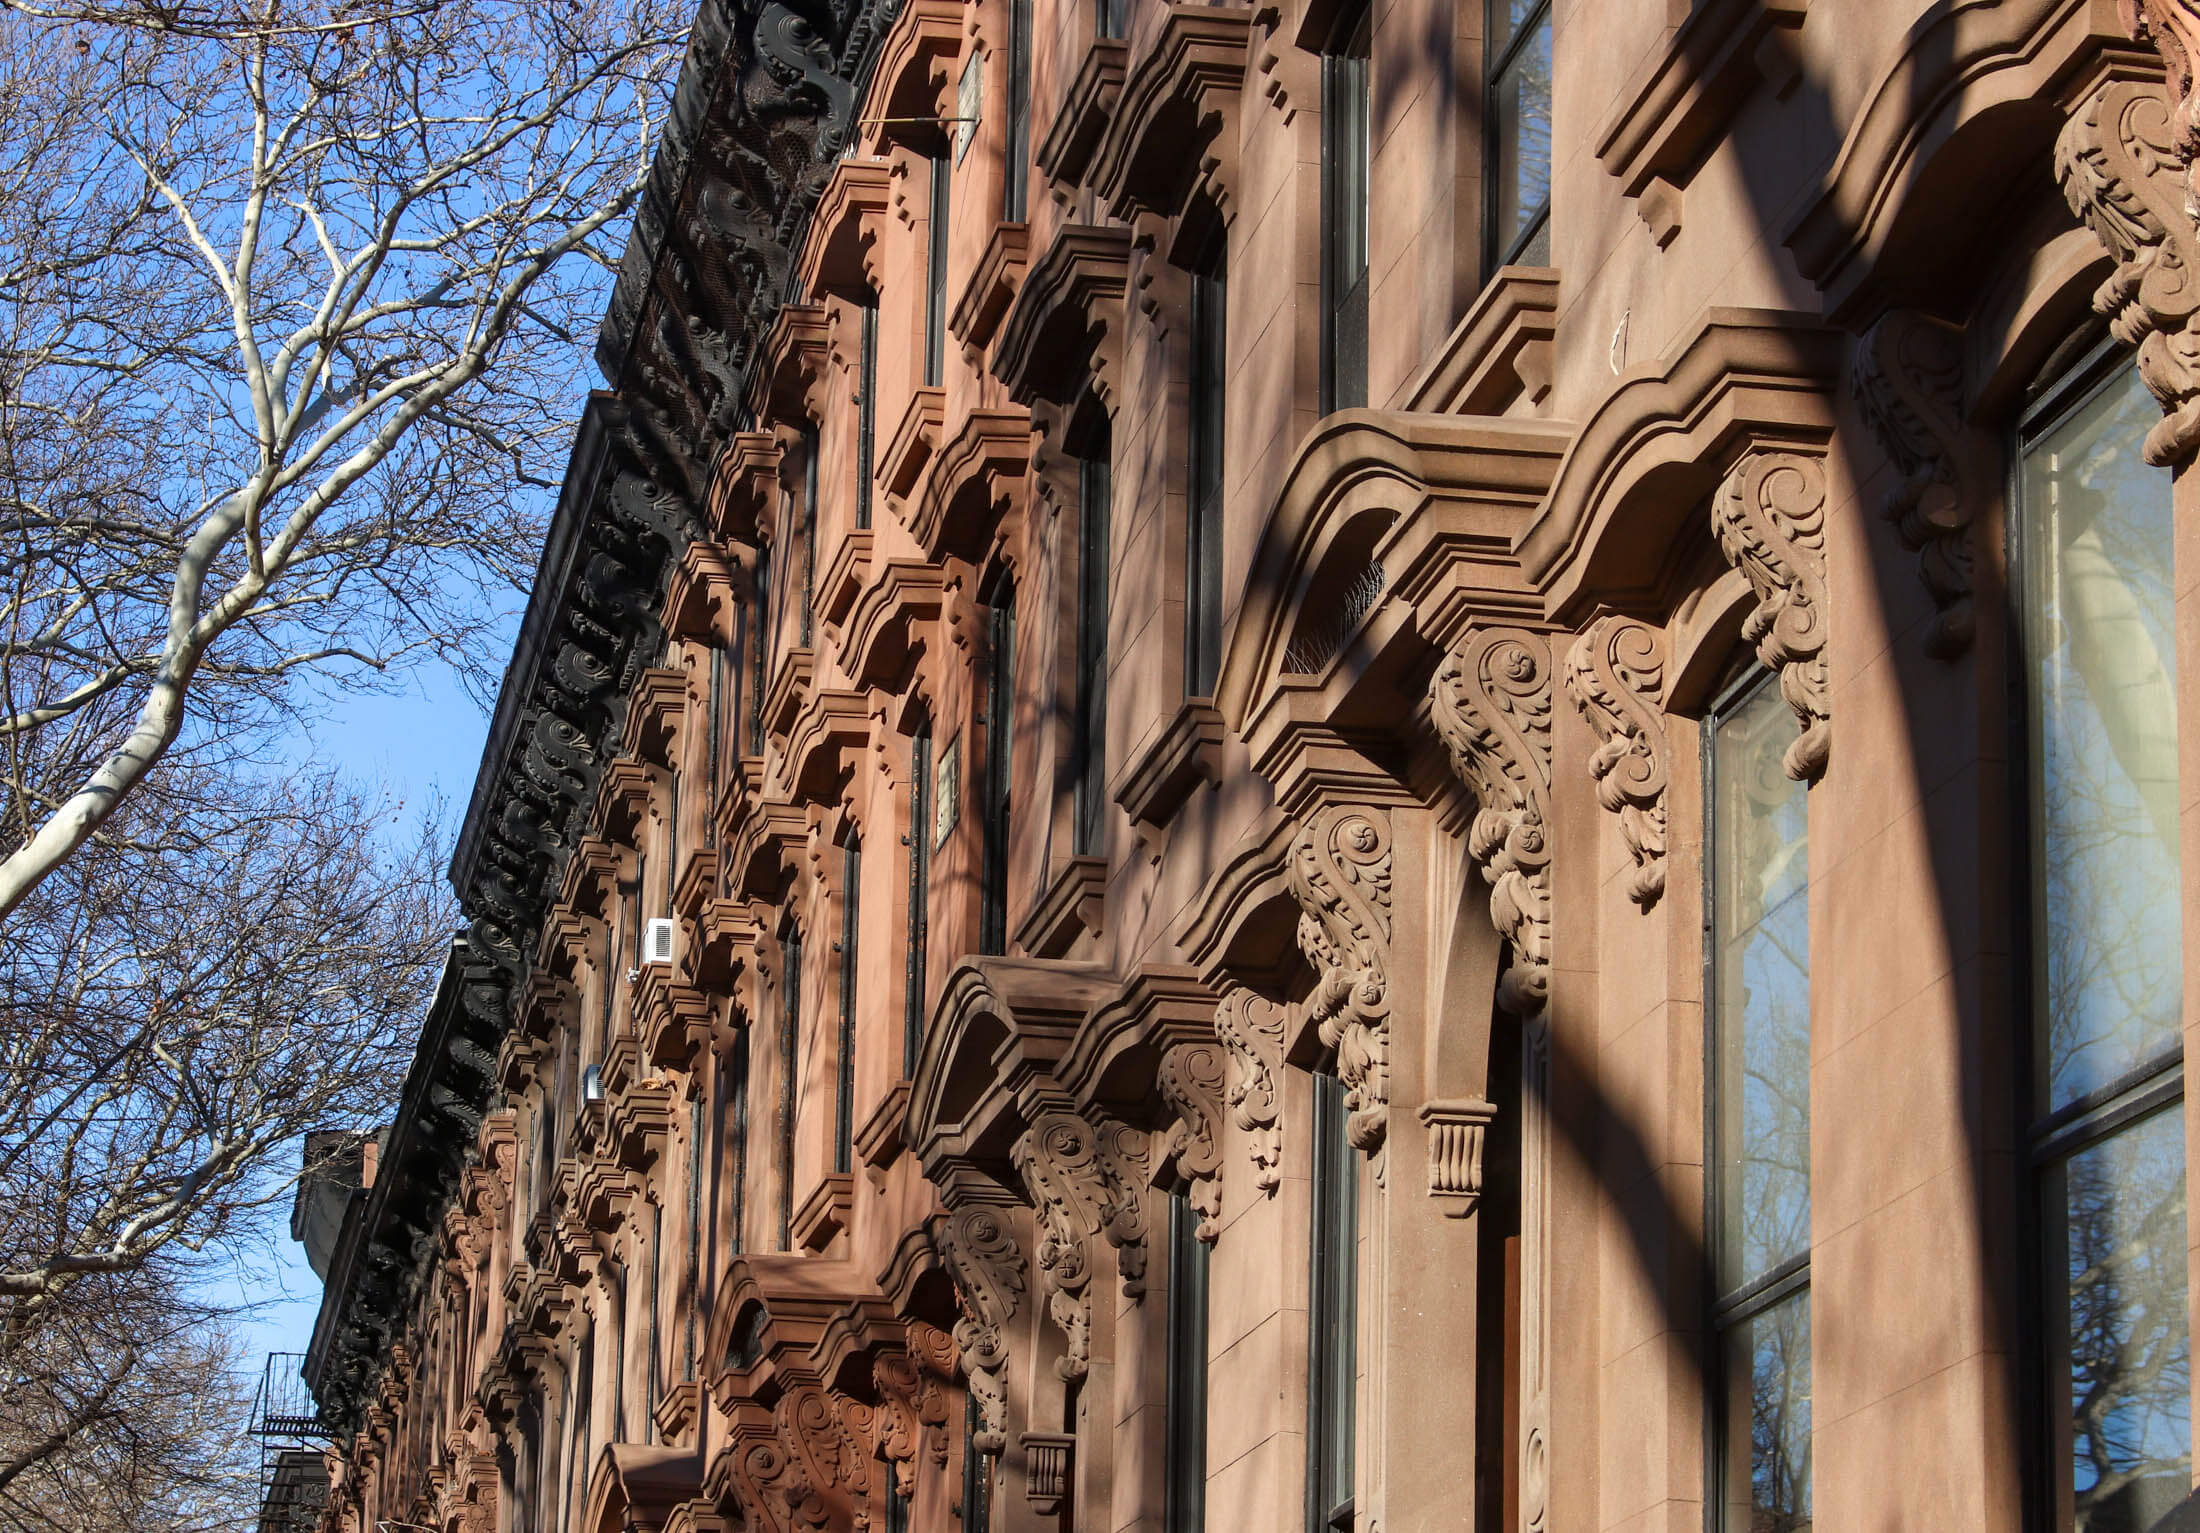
x,y
1082,1183
1615,674
1491,700
1455,1134
980,1252
1190,1077
1252,1032
1770,518
2173,26
1047,1459
913,1403
1908,377
2115,159
1339,874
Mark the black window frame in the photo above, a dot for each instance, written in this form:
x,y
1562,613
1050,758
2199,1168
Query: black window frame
x,y
1332,1313
997,787
790,1067
918,924
812,450
1089,728
1504,251
1206,470
941,182
844,1067
1184,1407
1016,133
866,407
1346,274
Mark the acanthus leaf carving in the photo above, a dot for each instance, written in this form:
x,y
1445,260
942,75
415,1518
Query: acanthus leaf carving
x,y
913,1405
1339,874
1615,674
1491,701
1190,1078
1770,518
981,1254
1908,377
2115,160
2173,27
1081,1184
1251,1029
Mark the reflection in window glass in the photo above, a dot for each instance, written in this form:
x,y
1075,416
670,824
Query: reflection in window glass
x,y
2094,541
1518,131
1759,1097
1344,215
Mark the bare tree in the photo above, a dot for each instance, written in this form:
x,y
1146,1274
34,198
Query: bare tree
x,y
169,1027
289,318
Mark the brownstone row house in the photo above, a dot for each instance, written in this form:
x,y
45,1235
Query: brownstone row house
x,y
1325,766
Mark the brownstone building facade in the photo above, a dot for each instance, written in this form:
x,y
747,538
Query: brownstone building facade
x,y
1386,766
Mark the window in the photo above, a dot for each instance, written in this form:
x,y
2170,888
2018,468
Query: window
x,y
1184,1468
694,1233
762,602
1016,179
1517,124
790,1063
2097,624
844,1093
736,1150
935,272
897,1506
810,451
867,410
977,1487
1344,214
920,893
1332,1316
1203,541
1111,18
1000,726
1089,734
1757,1102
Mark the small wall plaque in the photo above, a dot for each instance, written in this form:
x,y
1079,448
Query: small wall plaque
x,y
969,93
947,792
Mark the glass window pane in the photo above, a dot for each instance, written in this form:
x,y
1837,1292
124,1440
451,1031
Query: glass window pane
x,y
1767,1372
1505,17
1761,931
1520,118
2101,665
2117,1307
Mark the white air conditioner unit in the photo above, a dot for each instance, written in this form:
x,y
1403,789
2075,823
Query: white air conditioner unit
x,y
657,940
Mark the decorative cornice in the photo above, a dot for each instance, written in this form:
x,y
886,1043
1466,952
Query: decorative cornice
x,y
1615,674
992,286
1073,905
1068,318
1177,115
1770,518
1500,349
1491,702
1082,115
1908,378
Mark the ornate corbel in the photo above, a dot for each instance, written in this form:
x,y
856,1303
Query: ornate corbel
x,y
2113,160
913,1404
1491,700
1251,1028
1191,1079
1615,674
979,1250
828,1460
1455,1133
2173,27
1908,377
1770,518
1339,873
1082,1184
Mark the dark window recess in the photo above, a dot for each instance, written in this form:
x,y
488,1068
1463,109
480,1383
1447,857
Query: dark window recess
x,y
920,886
1203,538
844,1092
810,452
1516,149
694,1233
1016,149
867,411
1332,1315
1184,1467
935,271
977,1486
737,1147
897,1506
1344,214
790,1064
1000,728
759,644
1089,741
1110,18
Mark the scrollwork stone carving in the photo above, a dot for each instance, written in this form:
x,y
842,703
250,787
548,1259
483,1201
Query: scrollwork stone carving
x,y
1339,874
1770,518
1908,378
1251,1030
2114,160
981,1254
1080,1186
1491,701
1190,1078
1615,674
